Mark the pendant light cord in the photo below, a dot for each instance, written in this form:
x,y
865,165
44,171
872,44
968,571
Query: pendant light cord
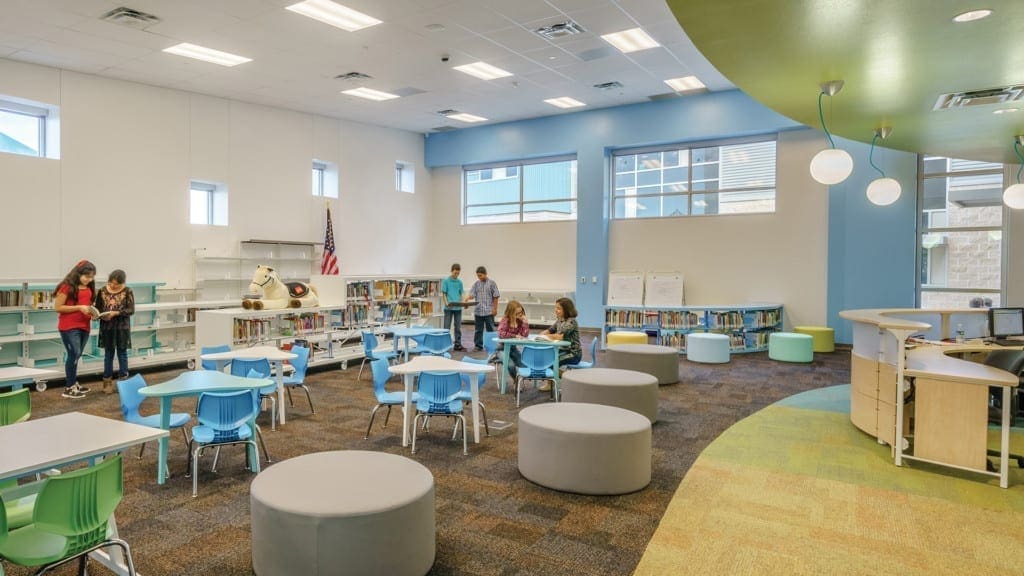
x,y
1016,148
871,156
821,116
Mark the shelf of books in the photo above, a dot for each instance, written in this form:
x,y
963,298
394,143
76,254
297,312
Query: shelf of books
x,y
747,326
162,330
538,304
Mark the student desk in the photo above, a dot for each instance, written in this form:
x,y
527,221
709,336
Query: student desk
x,y
508,343
45,443
409,333
439,364
271,354
950,408
194,383
18,376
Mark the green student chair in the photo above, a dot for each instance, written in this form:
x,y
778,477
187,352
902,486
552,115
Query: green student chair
x,y
70,520
15,407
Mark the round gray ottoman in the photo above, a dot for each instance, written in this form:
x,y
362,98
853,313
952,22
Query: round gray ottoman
x,y
347,512
662,362
585,448
629,389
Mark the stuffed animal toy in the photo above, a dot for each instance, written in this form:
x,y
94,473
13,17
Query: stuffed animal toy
x,y
268,292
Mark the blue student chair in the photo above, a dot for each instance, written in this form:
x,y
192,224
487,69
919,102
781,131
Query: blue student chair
x,y
538,363
584,364
259,368
370,352
210,364
297,378
381,374
128,391
437,345
223,420
491,343
467,396
439,396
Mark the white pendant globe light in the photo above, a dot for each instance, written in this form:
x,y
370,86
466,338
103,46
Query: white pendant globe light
x,y
1013,197
831,165
882,191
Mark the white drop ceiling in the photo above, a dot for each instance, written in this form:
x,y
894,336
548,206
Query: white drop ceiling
x,y
296,59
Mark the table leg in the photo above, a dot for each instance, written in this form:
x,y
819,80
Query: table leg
x,y
112,557
555,373
474,393
1004,441
407,348
406,409
165,423
506,350
250,449
279,369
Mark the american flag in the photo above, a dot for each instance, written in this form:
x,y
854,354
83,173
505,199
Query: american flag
x,y
329,263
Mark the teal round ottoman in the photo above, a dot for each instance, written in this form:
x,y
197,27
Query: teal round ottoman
x,y
707,347
791,347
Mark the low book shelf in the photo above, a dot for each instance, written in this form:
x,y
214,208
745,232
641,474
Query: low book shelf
x,y
747,326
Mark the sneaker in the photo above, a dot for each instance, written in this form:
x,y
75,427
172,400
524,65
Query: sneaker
x,y
81,388
123,376
477,348
545,387
458,347
73,392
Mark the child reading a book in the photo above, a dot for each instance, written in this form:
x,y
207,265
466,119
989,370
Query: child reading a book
x,y
115,303
71,301
566,328
513,325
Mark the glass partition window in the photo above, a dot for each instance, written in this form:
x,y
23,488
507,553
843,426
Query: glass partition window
x,y
961,233
539,191
696,180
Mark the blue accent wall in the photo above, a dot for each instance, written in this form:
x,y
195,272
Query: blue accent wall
x,y
871,259
592,135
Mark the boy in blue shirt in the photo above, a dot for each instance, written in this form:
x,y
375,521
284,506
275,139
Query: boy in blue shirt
x,y
451,291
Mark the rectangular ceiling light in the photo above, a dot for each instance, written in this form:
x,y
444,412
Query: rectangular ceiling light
x,y
462,116
206,54
370,94
334,14
483,70
565,102
685,84
632,40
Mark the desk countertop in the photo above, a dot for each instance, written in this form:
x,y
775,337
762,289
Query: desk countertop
x,y
934,362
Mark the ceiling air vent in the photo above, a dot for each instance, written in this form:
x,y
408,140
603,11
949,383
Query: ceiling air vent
x,y
443,129
448,112
353,76
980,97
560,30
608,86
132,18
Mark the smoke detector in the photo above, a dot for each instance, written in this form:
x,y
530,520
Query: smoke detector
x,y
560,30
980,97
129,17
353,76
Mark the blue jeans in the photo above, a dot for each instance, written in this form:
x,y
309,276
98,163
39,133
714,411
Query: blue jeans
x,y
108,362
456,316
481,323
74,343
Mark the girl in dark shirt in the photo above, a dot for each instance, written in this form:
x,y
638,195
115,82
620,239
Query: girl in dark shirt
x,y
116,304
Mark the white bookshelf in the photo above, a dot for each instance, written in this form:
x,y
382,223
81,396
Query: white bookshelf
x,y
227,276
538,304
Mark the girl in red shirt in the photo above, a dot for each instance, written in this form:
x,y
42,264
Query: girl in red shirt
x,y
72,300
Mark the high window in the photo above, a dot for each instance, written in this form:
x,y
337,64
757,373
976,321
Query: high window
x,y
208,203
325,179
735,177
525,191
24,127
961,233
405,177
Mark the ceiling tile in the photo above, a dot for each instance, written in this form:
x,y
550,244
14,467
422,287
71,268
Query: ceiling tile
x,y
524,10
653,58
474,16
571,5
517,39
603,19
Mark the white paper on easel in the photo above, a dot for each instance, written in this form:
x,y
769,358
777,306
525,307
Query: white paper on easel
x,y
626,289
663,289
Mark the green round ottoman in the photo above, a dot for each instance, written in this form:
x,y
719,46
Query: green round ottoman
x,y
824,337
790,347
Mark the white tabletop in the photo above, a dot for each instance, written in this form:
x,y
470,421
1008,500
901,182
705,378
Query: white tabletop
x,y
19,372
254,353
439,364
48,442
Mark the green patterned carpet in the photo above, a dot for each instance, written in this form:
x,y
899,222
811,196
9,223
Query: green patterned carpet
x,y
797,489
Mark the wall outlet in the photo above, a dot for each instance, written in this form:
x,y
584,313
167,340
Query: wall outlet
x,y
583,279
593,279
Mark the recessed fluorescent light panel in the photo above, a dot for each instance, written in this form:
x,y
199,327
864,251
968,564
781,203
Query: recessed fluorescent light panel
x,y
370,94
483,70
334,14
632,40
565,102
685,84
972,15
1005,110
207,54
462,116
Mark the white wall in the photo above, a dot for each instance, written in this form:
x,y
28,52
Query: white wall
x,y
119,193
780,257
535,255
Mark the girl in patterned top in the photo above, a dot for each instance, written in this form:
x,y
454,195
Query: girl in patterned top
x,y
513,325
118,302
566,328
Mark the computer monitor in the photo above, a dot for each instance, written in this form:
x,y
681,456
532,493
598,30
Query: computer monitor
x,y
1003,322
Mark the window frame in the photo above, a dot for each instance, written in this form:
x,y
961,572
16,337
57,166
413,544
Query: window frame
x,y
319,176
519,166
689,191
211,191
41,116
922,230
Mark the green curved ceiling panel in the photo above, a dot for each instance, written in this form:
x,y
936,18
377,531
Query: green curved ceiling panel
x,y
896,57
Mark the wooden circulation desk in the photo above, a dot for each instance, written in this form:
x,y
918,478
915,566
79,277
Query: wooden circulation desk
x,y
948,416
